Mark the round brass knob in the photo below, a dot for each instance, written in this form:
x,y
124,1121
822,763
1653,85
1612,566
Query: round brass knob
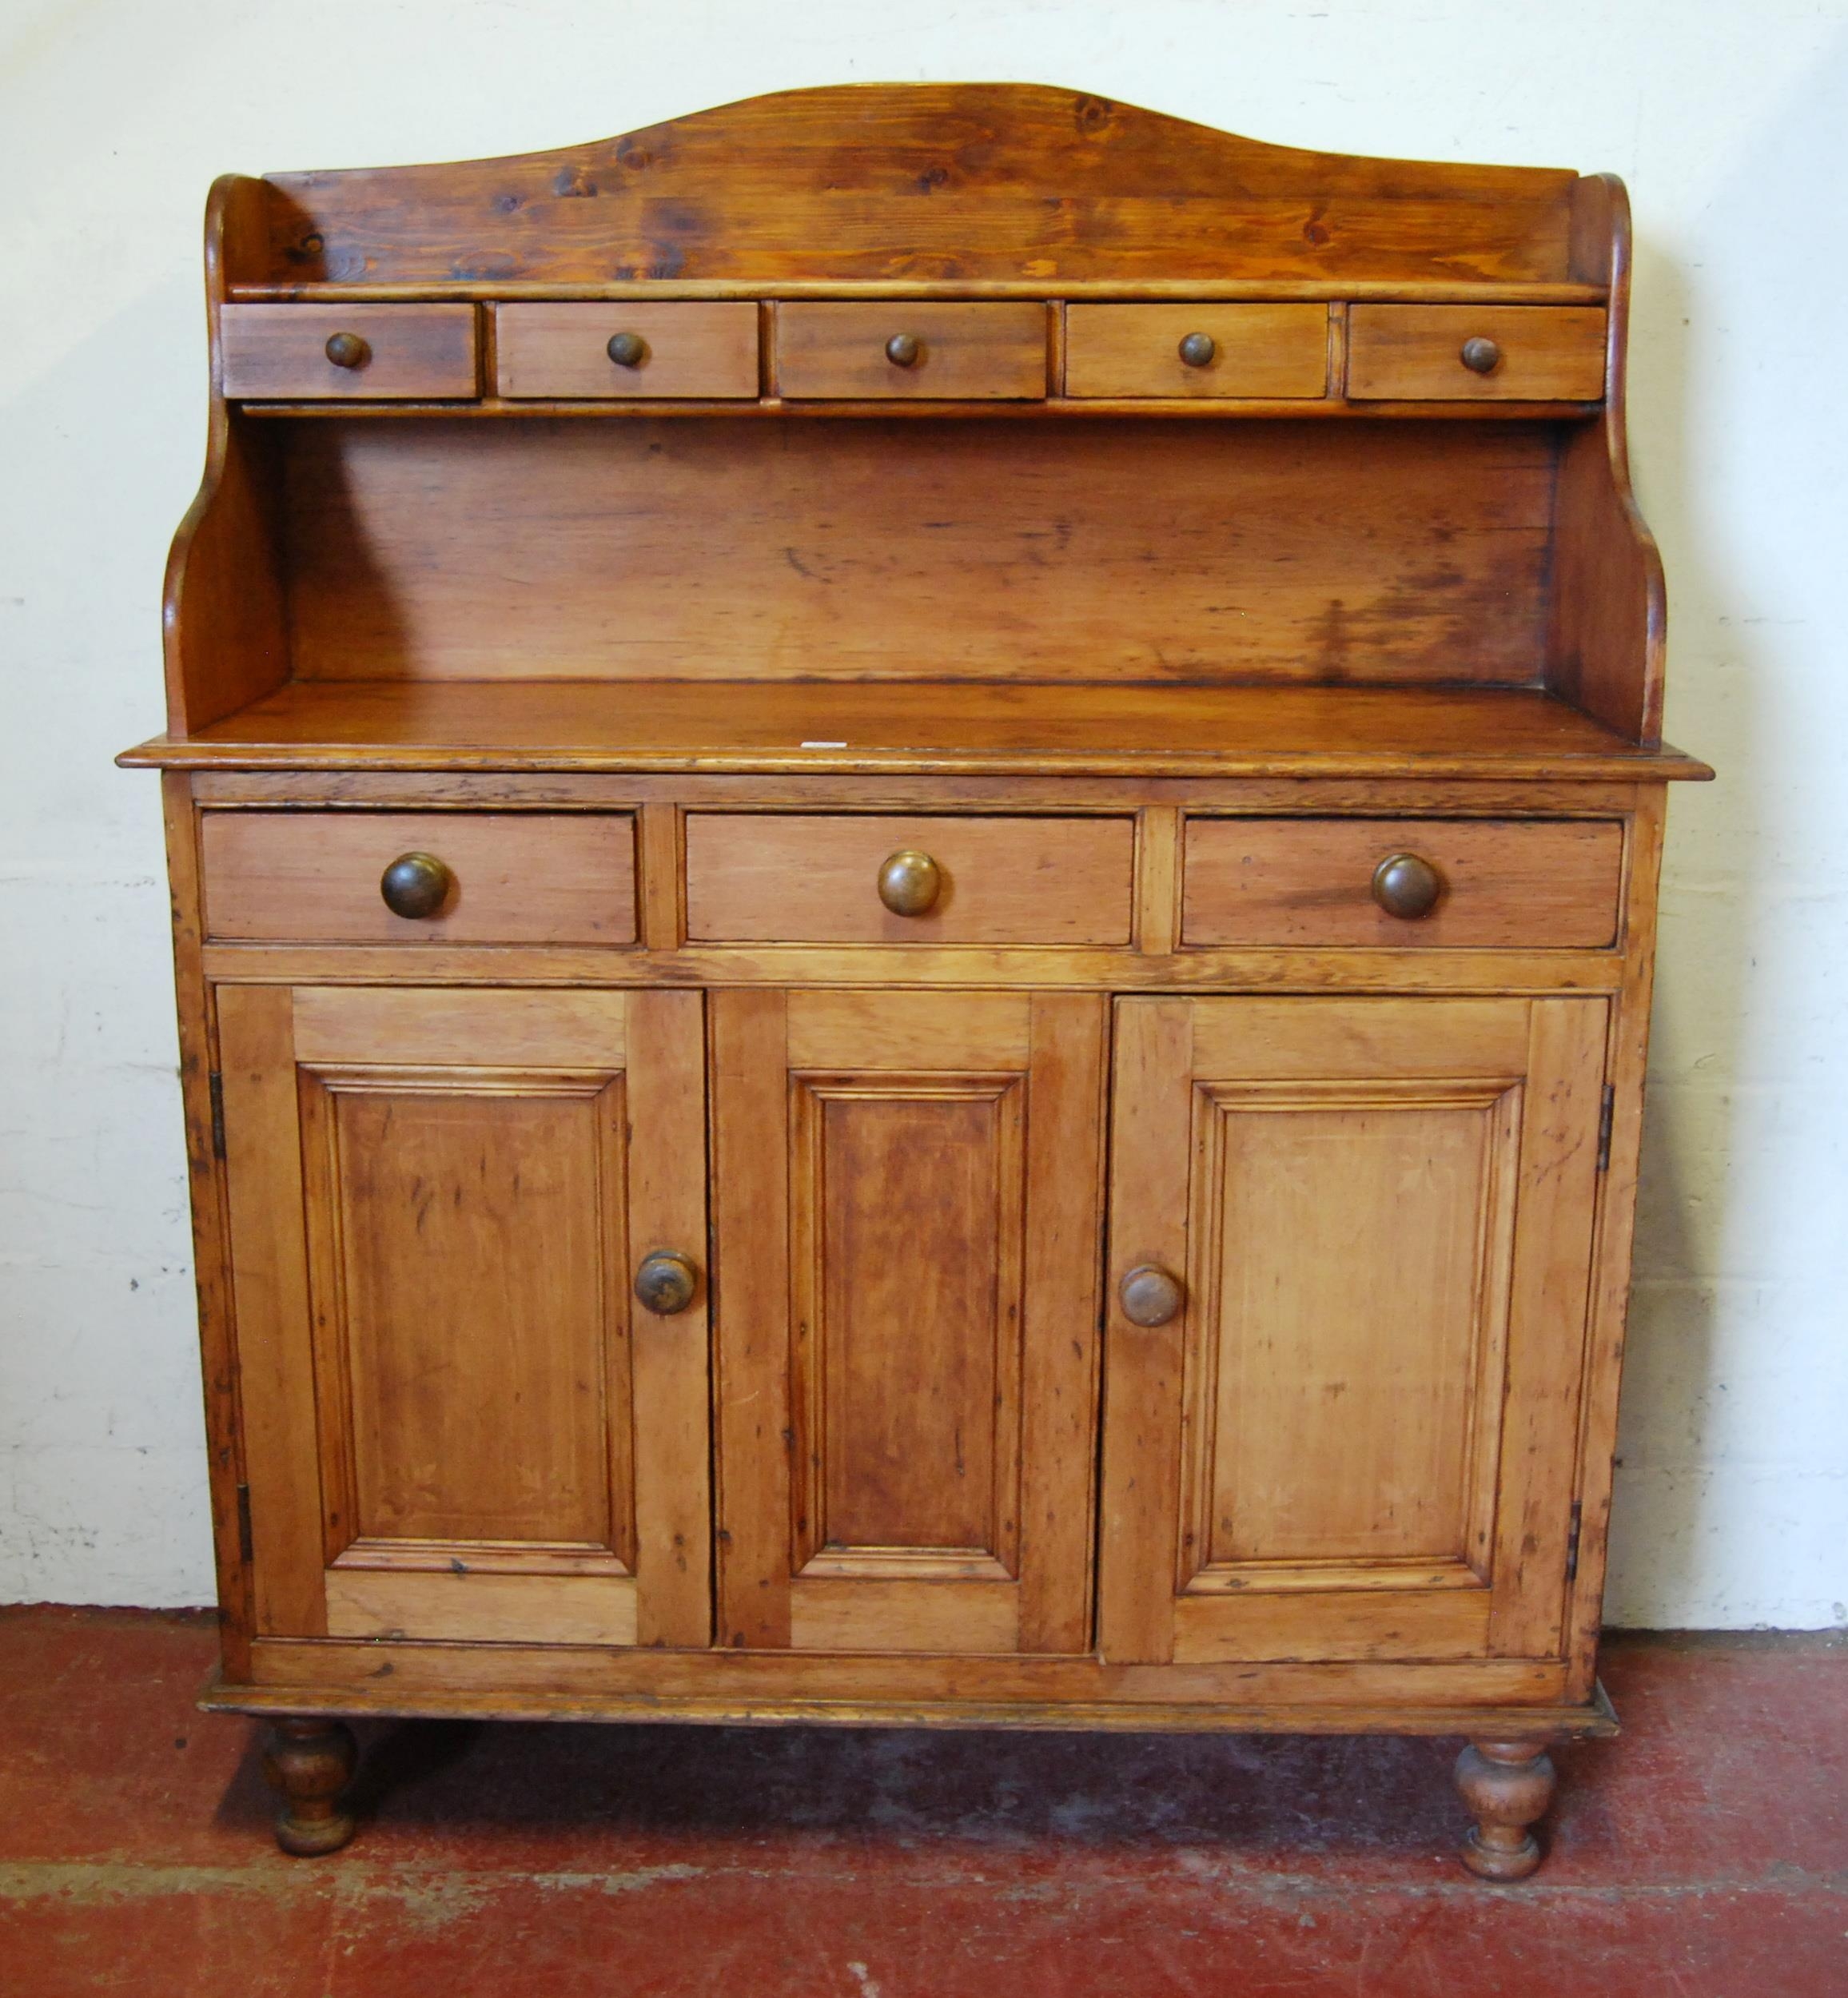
x,y
416,884
1197,349
904,350
1407,885
1149,1295
627,350
666,1281
909,882
1481,356
347,350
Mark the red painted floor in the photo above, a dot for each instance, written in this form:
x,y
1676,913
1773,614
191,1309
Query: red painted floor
x,y
1705,1853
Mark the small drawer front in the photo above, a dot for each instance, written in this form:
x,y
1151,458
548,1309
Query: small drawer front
x,y
903,351
764,878
1499,883
613,351
505,878
1196,350
1489,353
366,353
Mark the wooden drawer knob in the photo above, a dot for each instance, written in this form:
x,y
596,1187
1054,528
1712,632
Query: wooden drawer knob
x,y
1481,356
1198,349
909,882
347,350
416,884
904,350
666,1281
1149,1295
627,350
1407,885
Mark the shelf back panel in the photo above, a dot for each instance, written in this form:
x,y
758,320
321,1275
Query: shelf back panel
x,y
851,549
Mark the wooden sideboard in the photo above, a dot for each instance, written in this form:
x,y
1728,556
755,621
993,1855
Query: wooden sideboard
x,y
914,835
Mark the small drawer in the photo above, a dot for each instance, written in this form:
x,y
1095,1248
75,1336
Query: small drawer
x,y
1532,885
1196,350
369,353
501,877
903,352
771,878
1480,353
612,352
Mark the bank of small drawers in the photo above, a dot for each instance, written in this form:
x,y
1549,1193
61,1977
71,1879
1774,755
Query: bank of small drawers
x,y
1517,884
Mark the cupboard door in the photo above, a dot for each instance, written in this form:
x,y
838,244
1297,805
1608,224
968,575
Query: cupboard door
x,y
907,1217
1355,1437
460,1422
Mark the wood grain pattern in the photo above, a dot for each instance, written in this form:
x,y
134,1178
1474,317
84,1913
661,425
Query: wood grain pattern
x,y
747,1035
464,1303
269,1291
1352,1229
1134,350
876,549
1548,353
888,181
760,877
1550,1286
927,1279
483,1609
520,877
866,1614
692,349
1347,1325
965,353
671,1356
280,351
1448,1623
1607,643
1349,1697
479,1030
1256,881
948,729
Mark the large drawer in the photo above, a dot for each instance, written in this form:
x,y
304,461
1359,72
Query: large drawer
x,y
1479,353
699,350
370,353
1517,884
754,878
507,878
916,351
1196,350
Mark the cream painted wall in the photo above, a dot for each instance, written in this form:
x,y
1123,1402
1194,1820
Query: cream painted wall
x,y
1727,120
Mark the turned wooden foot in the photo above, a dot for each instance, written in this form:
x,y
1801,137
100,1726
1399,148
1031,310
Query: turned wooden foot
x,y
311,1761
1505,1785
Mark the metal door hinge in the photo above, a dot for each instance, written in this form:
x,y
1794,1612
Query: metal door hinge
x,y
1572,1542
217,1090
246,1546
1607,1110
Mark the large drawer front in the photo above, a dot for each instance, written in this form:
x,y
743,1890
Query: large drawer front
x,y
699,351
1478,353
390,353
1196,350
515,877
906,352
1516,884
770,878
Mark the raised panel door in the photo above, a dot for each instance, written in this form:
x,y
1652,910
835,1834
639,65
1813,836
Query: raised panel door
x,y
460,1422
907,1194
1355,1437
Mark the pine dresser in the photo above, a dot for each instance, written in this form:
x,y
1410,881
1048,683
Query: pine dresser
x,y
914,835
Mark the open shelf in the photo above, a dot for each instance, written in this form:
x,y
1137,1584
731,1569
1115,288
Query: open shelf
x,y
923,726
